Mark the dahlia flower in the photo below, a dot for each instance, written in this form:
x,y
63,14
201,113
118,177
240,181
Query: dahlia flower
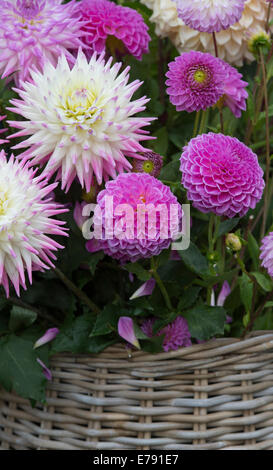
x,y
121,29
136,217
152,164
26,223
232,42
177,333
80,120
235,94
267,253
212,15
221,175
195,81
33,31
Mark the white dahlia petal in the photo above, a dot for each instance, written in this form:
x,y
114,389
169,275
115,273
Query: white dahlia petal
x,y
232,42
26,223
81,121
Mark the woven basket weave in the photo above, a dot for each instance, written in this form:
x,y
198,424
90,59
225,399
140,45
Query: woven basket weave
x,y
217,395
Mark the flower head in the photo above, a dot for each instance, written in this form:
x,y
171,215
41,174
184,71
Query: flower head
x,y
221,174
121,29
232,43
177,333
152,164
26,223
195,81
211,15
34,31
267,253
258,39
82,123
139,217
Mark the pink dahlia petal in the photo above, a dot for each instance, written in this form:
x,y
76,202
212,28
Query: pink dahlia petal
x,y
139,217
221,175
210,15
34,31
78,214
235,94
177,333
27,223
145,289
266,255
86,125
120,28
47,372
195,81
48,336
223,294
126,331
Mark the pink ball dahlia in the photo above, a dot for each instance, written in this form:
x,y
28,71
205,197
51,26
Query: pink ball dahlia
x,y
195,81
139,217
234,90
26,223
33,31
221,175
267,253
210,15
121,29
81,121
177,333
152,164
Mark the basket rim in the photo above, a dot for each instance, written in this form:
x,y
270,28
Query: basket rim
x,y
259,340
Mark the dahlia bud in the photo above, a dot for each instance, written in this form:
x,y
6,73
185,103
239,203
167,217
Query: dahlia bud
x,y
233,242
258,41
152,164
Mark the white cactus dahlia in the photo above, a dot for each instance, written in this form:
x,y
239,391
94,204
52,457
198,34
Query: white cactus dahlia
x,y
26,223
81,120
33,31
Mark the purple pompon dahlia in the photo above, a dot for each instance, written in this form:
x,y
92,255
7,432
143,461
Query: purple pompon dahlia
x,y
195,81
136,217
210,16
177,333
221,175
26,223
235,94
152,164
34,31
81,121
120,29
267,253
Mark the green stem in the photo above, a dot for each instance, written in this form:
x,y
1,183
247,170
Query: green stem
x,y
267,170
202,127
196,123
160,284
78,292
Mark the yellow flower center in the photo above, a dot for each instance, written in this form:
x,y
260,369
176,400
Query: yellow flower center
x,y
3,203
148,166
80,103
200,76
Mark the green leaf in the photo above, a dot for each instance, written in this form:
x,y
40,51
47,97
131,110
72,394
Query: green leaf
x,y
93,261
246,291
264,282
194,260
188,297
19,369
254,250
205,322
74,334
21,318
170,172
138,270
160,145
227,226
106,321
153,345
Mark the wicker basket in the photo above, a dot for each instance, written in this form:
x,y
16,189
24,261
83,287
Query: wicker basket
x,y
218,395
